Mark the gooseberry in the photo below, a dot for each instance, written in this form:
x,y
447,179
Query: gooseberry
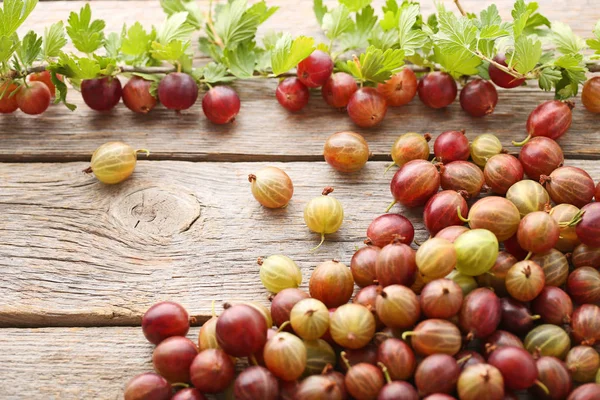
x,y
207,337
583,363
398,390
177,91
362,265
528,196
364,381
480,313
501,78
415,183
113,162
516,316
46,78
309,318
437,373
188,394
481,381
367,297
525,280
551,119
589,391
466,282
279,272
538,232
315,69
346,151
451,233
398,357
387,228
440,211
485,147
324,214
398,307
462,175
33,98
147,386
332,283
221,105
367,107
172,358
292,94
553,306
271,187
501,172
570,185
554,375
585,324
517,366
400,89
555,266
395,265
437,89
241,330
478,98
476,251
586,256
8,99
338,89
285,356
212,371
101,94
441,298
352,326
256,383
137,96
497,215
590,94
563,214
318,387
496,276
540,156
588,229
434,336
499,339
451,146
435,258
163,320
548,340
410,146
583,285
319,354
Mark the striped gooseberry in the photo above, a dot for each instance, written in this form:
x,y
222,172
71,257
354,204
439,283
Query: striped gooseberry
x,y
485,147
271,187
583,285
352,326
553,305
435,258
586,256
538,232
362,266
553,373
569,185
583,362
462,175
437,89
525,280
437,373
563,214
588,228
338,89
481,381
388,228
285,356
410,146
551,119
476,251
332,283
324,214
516,316
397,307
346,151
540,156
440,211
309,319
400,89
528,196
319,354
451,146
441,298
278,272
501,172
434,336
496,276
555,266
548,340
398,358
241,330
415,183
497,215
113,162
395,265
480,313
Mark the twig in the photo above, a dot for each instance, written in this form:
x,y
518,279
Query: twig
x,y
462,11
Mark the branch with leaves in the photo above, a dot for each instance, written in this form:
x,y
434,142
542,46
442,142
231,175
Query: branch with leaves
x,y
368,47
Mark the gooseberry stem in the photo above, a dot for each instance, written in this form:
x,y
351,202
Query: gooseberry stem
x,y
385,371
465,220
253,360
145,151
407,334
388,168
464,359
345,360
542,386
319,245
390,206
535,317
180,384
522,143
528,256
282,327
574,221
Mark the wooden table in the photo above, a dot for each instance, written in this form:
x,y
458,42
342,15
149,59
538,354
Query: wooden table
x,y
82,261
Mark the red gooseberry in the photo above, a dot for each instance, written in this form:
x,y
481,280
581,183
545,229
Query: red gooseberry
x,y
478,98
501,172
590,94
437,89
338,89
315,69
569,185
415,183
501,78
400,89
292,94
33,98
367,107
440,211
451,146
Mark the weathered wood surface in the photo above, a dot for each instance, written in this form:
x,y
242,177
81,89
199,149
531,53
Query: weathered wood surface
x,y
75,252
264,130
72,363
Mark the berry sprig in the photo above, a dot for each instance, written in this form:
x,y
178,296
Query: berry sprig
x,y
370,49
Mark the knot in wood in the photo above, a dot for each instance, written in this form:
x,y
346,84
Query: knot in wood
x,y
157,211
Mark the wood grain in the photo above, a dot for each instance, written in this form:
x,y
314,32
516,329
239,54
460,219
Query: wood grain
x,y
264,131
75,252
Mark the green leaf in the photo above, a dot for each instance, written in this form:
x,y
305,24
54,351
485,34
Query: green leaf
x,y
595,43
136,42
483,70
30,48
565,40
215,73
520,14
288,53
358,37
320,10
355,5
383,39
389,21
391,6
490,16
455,34
376,65
175,28
336,22
242,61
61,92
171,52
235,24
87,35
75,67
8,45
54,40
566,87
548,78
527,54
194,16
410,39
12,15
461,62
113,45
